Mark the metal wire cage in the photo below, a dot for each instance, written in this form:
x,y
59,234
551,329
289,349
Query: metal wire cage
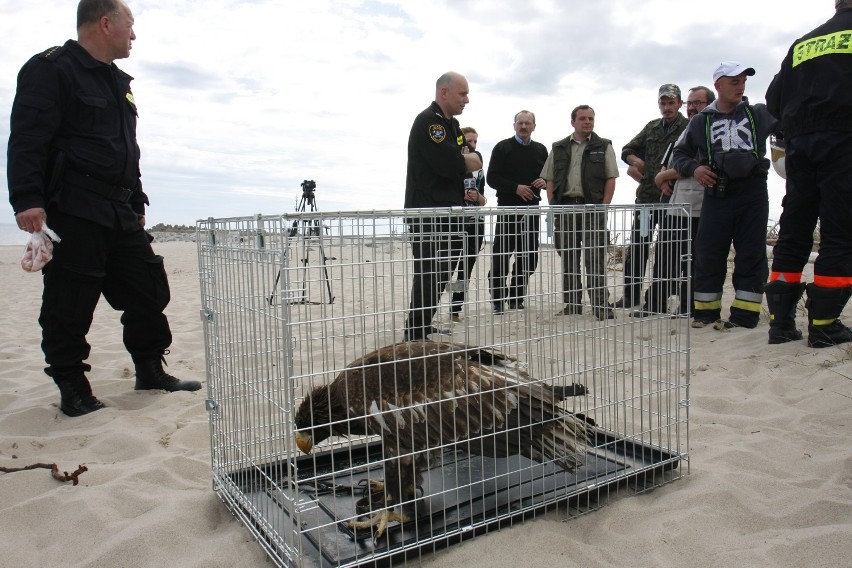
x,y
292,302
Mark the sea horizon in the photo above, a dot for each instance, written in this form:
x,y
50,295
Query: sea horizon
x,y
11,235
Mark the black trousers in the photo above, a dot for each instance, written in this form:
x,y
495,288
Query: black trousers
x,y
738,219
519,235
92,260
636,258
819,185
672,258
474,235
436,246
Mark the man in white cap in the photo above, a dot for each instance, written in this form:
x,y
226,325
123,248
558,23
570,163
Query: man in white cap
x,y
811,96
724,149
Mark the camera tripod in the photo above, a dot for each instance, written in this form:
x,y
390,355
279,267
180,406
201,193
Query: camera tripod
x,y
304,230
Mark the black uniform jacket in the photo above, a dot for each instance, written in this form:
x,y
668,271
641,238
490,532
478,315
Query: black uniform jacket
x,y
73,139
436,168
813,90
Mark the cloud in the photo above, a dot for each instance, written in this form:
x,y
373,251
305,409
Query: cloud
x,y
240,101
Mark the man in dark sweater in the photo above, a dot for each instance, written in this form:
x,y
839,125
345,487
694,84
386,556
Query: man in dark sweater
x,y
514,171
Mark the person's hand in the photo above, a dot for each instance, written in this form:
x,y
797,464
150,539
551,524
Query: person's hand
x,y
538,183
636,172
472,162
526,193
142,221
705,176
666,188
31,220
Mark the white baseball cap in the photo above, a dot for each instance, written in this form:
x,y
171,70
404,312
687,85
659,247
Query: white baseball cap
x,y
731,69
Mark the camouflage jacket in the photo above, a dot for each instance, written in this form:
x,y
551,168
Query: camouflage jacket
x,y
650,145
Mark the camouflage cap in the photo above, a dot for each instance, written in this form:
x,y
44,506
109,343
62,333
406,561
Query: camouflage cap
x,y
669,90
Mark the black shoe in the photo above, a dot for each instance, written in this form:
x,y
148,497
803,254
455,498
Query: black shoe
x,y
625,303
516,304
150,375
783,335
570,310
76,396
604,314
498,308
835,333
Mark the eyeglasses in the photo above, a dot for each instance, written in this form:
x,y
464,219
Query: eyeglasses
x,y
694,103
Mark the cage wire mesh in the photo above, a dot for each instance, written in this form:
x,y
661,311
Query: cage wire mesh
x,y
503,413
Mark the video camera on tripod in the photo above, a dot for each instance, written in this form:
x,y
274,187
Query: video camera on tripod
x,y
308,188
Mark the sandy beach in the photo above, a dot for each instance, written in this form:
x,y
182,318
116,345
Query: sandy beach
x,y
769,482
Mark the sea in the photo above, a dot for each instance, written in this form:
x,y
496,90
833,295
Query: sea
x,y
11,235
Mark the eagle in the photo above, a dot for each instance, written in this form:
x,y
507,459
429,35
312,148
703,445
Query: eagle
x,y
421,397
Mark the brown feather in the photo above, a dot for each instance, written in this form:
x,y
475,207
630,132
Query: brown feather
x,y
422,397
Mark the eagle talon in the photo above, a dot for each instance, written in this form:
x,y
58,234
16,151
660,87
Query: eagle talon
x,y
371,487
379,520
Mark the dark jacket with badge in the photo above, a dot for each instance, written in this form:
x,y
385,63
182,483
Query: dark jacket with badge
x,y
436,168
737,141
72,141
813,90
651,145
513,164
594,175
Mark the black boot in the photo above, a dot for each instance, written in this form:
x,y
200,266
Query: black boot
x,y
824,306
76,395
150,375
782,299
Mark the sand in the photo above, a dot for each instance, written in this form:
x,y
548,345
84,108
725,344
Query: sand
x,y
769,482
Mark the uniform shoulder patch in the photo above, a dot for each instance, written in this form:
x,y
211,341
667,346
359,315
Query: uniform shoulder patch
x,y
438,133
52,53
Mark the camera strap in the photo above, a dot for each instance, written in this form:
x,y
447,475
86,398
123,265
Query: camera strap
x,y
707,135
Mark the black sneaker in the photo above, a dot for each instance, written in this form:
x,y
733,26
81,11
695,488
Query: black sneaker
x,y
498,308
516,304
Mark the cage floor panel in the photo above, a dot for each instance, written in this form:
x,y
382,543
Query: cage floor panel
x,y
464,494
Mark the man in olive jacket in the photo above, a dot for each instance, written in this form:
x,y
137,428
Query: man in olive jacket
x,y
580,171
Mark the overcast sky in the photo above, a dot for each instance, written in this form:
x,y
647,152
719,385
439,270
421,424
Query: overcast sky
x,y
239,101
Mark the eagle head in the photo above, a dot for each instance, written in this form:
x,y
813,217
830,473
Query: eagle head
x,y
313,419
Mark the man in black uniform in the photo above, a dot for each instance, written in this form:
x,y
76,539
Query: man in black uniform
x,y
812,96
438,162
73,160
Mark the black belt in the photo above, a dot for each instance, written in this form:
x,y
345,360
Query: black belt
x,y
102,188
571,201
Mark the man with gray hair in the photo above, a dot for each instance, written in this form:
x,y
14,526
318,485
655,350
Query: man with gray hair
x,y
74,161
812,96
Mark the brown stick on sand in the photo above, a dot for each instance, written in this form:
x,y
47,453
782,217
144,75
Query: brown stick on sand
x,y
64,476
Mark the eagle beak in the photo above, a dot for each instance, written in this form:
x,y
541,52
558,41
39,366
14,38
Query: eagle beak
x,y
304,441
